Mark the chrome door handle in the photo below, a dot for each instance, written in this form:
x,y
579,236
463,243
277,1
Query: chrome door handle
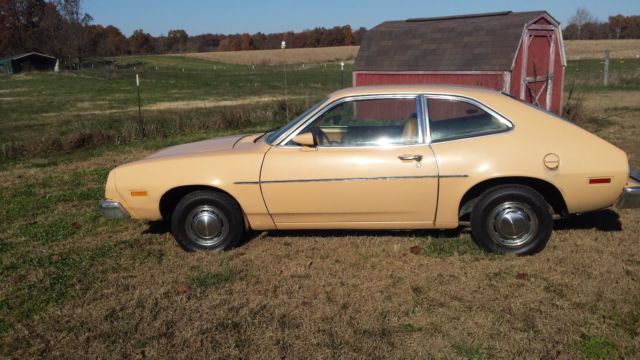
x,y
415,157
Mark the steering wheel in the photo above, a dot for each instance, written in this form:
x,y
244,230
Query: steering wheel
x,y
320,136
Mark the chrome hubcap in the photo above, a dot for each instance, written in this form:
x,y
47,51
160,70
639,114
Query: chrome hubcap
x,y
206,225
512,224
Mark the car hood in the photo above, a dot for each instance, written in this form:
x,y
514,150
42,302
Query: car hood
x,y
219,144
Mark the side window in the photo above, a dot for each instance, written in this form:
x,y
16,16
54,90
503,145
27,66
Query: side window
x,y
368,122
455,119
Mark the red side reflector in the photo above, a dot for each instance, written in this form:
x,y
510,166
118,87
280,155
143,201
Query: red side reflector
x,y
599,181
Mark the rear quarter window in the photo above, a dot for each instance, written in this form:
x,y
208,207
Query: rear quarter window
x,y
451,119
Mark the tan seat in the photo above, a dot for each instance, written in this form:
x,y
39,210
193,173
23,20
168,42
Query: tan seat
x,y
410,131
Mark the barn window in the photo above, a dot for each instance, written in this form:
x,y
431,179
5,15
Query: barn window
x,y
368,122
451,119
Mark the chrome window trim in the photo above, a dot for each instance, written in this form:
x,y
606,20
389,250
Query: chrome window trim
x,y
510,125
323,109
424,107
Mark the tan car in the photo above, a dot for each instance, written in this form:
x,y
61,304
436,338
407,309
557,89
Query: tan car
x,y
393,157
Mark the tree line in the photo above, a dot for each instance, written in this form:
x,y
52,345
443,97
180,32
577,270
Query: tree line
x,y
584,26
60,28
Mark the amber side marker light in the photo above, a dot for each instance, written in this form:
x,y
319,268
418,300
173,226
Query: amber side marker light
x,y
138,193
599,181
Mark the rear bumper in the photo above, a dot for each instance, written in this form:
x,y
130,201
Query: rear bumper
x,y
630,198
112,210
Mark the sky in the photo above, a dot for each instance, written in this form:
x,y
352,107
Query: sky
x,y
157,17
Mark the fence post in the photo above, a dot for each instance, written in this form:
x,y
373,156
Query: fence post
x,y
141,131
605,78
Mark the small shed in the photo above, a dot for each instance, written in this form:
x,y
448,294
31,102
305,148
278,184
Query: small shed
x,y
32,61
520,53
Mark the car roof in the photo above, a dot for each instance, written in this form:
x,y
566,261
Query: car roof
x,y
468,91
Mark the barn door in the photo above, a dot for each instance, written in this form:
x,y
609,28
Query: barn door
x,y
537,79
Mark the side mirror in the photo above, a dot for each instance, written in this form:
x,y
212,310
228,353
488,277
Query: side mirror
x,y
305,139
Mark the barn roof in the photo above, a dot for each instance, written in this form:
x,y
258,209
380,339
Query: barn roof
x,y
20,56
476,42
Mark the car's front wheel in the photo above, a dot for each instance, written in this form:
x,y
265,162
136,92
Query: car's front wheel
x,y
511,219
207,220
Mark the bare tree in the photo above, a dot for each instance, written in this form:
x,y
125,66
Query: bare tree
x,y
582,17
75,28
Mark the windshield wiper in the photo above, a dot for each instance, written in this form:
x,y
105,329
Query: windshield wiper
x,y
265,133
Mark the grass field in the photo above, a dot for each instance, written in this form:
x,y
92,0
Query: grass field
x,y
189,94
575,50
594,49
77,286
286,56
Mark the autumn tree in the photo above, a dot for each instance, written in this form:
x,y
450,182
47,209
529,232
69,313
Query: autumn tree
x,y
247,42
141,43
20,22
358,35
177,40
115,42
347,34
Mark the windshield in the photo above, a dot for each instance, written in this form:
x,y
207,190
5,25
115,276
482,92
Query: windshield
x,y
275,135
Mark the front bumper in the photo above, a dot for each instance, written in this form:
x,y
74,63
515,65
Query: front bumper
x,y
112,210
630,198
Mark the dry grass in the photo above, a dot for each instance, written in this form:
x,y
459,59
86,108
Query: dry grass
x,y
343,295
89,288
614,116
77,286
594,49
287,56
575,50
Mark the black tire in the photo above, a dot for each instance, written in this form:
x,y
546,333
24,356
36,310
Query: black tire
x,y
207,221
511,219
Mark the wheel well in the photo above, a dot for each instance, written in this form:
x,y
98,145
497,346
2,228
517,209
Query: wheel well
x,y
548,191
171,198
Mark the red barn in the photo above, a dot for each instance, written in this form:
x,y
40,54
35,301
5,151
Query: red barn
x,y
520,53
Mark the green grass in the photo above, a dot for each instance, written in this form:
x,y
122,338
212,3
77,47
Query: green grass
x,y
55,248
65,101
472,352
215,279
452,246
597,347
410,328
49,231
587,75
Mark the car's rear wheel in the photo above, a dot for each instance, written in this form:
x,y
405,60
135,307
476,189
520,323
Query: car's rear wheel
x,y
511,219
207,221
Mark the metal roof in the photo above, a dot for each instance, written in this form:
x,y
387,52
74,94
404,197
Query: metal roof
x,y
475,42
20,56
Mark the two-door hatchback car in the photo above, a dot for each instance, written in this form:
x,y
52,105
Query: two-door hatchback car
x,y
388,157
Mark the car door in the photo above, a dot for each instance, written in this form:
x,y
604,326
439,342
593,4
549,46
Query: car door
x,y
370,168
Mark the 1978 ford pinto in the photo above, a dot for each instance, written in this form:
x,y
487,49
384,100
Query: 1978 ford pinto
x,y
392,157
